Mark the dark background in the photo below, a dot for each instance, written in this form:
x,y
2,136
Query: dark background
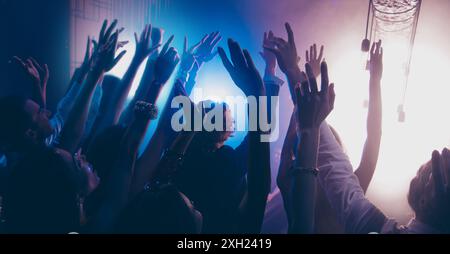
x,y
39,29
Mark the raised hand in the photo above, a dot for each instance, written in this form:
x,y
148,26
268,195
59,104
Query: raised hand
x,y
104,56
143,44
269,57
205,52
314,60
313,106
376,61
39,75
369,158
242,70
106,32
285,51
104,59
188,59
166,62
120,44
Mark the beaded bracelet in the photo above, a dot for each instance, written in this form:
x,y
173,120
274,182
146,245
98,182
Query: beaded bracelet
x,y
145,109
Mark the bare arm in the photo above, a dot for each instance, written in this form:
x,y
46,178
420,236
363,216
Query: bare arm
x,y
343,190
74,127
164,67
143,49
39,76
369,157
312,109
272,86
104,60
188,63
162,138
148,79
118,184
286,162
252,207
203,53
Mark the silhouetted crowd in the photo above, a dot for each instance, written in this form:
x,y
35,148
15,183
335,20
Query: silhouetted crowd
x,y
80,170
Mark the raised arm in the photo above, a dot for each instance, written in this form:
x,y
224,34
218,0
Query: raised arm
x,y
144,48
314,60
204,53
104,60
284,181
164,66
148,76
371,150
188,61
271,81
272,86
153,76
173,157
287,57
118,184
161,139
39,76
66,103
76,82
245,75
313,106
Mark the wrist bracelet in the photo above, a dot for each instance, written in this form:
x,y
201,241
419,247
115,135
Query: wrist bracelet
x,y
303,170
145,109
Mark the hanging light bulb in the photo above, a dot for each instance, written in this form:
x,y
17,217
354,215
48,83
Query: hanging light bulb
x,y
395,23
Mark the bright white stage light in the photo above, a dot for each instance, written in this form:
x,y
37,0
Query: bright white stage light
x,y
405,146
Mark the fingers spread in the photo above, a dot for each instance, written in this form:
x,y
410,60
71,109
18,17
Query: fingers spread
x,y
102,30
110,29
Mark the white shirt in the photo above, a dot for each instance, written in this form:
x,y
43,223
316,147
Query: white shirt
x,y
342,188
